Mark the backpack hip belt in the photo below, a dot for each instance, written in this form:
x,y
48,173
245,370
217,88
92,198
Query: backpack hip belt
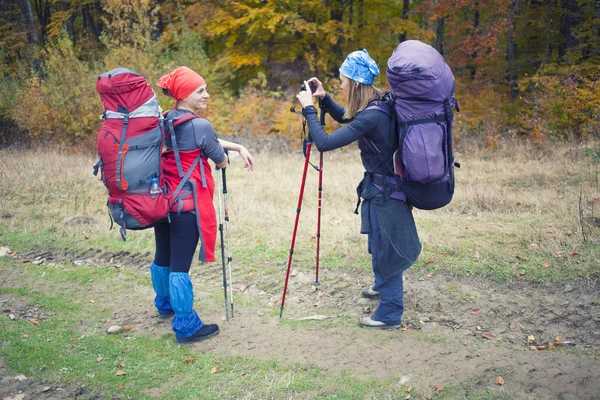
x,y
390,186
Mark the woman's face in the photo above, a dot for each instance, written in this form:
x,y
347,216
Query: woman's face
x,y
344,85
197,100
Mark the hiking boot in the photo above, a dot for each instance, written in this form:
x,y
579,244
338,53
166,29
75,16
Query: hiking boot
x,y
368,322
207,331
165,315
369,293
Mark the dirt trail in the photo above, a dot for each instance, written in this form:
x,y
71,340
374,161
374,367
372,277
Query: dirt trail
x,y
444,343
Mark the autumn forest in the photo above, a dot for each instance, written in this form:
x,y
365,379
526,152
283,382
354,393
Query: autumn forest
x,y
525,68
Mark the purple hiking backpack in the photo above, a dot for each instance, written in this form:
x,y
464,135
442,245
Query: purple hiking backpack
x,y
422,87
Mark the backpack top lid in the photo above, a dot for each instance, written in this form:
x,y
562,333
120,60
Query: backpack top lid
x,y
125,88
420,80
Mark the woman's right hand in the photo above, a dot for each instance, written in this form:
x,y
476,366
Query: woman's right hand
x,y
320,92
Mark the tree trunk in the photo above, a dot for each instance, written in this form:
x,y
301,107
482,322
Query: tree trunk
x,y
570,18
70,22
32,27
88,20
405,7
25,21
439,39
511,55
43,12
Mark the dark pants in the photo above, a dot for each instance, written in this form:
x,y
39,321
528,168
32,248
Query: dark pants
x,y
176,242
391,290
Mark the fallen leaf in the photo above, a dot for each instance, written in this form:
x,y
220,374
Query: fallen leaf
x,y
573,254
541,347
476,255
546,264
530,338
250,273
92,301
437,387
122,386
51,362
407,397
120,373
25,335
430,275
121,365
294,273
438,310
488,336
475,311
434,324
99,359
559,253
558,341
534,348
518,203
499,381
512,325
34,321
213,370
409,389
128,327
404,328
36,309
429,261
320,295
189,360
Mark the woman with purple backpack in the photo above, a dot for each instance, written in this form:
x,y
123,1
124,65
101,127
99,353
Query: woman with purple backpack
x,y
386,217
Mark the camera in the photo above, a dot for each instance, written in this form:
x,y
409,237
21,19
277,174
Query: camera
x,y
311,84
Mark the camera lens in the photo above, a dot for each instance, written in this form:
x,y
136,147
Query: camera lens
x,y
312,85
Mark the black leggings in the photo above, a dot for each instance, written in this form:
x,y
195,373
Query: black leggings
x,y
176,242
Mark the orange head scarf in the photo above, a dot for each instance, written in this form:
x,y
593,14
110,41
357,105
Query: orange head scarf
x,y
181,82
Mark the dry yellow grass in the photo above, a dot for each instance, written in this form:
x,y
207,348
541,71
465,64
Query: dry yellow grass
x,y
524,210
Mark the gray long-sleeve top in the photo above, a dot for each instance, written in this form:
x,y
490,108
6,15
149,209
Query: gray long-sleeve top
x,y
194,134
371,123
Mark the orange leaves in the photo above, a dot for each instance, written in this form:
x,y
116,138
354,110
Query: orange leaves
x,y
551,345
499,381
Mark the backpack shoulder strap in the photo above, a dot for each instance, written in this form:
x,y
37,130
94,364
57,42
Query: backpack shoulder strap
x,y
171,124
386,106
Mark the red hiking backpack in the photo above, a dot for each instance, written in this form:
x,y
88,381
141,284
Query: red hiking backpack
x,y
130,144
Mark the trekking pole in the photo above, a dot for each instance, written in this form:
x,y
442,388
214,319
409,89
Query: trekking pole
x,y
222,246
308,143
229,259
320,196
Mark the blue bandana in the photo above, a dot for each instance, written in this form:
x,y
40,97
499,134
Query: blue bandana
x,y
359,67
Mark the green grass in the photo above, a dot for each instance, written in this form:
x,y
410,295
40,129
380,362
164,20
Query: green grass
x,y
56,350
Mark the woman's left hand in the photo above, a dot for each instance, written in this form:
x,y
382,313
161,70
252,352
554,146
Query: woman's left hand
x,y
247,157
305,97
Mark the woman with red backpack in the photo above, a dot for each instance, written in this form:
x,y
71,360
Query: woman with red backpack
x,y
191,141
386,217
